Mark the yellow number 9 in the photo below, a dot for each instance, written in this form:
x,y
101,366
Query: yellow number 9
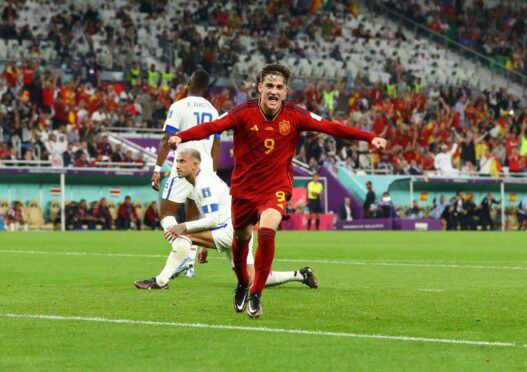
x,y
269,145
280,196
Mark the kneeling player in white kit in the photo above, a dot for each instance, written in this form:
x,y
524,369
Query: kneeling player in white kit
x,y
213,230
185,114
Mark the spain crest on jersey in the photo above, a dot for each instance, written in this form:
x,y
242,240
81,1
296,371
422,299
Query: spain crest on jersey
x,y
284,127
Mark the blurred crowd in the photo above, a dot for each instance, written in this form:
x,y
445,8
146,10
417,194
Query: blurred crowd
x,y
60,113
100,214
447,130
495,29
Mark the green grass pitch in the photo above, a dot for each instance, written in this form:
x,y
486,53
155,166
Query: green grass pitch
x,y
387,301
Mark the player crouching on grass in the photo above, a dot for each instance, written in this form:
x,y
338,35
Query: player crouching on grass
x,y
212,230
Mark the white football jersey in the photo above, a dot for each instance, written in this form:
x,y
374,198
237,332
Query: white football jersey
x,y
187,113
211,194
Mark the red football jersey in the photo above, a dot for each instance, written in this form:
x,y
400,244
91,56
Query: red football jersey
x,y
264,147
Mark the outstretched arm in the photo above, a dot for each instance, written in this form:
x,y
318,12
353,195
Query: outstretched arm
x,y
202,131
312,122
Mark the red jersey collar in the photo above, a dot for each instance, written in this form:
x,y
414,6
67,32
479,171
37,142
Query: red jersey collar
x,y
265,117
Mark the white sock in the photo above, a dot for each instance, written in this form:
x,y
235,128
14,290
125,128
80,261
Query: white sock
x,y
281,277
26,227
168,222
192,255
176,260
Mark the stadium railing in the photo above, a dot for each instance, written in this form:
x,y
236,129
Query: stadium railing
x,y
98,165
47,183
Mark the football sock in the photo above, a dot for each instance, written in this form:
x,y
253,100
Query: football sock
x,y
280,277
309,224
168,222
264,259
240,250
317,223
177,259
192,255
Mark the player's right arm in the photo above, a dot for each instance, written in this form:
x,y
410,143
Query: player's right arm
x,y
171,127
225,122
162,153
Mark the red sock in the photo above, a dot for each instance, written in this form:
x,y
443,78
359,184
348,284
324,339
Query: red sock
x,y
264,259
240,250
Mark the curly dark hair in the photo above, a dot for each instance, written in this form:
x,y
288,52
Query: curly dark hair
x,y
275,69
200,80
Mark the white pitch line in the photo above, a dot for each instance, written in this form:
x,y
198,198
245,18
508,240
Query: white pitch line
x,y
302,261
265,329
84,254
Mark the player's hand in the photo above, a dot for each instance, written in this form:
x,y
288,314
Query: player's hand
x,y
174,142
202,255
173,232
156,179
379,143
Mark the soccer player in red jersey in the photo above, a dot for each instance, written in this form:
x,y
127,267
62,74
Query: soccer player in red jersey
x,y
266,132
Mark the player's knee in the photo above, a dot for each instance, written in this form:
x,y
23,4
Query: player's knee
x,y
168,208
244,234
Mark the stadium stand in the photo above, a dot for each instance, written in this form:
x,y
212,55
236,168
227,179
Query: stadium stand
x,y
75,76
494,29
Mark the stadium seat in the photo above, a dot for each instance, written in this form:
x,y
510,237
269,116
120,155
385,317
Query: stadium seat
x,y
33,203
113,209
140,209
511,219
35,216
54,210
3,50
13,49
4,206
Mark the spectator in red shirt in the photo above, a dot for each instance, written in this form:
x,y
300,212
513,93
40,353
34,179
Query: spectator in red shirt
x,y
82,161
126,215
15,217
28,72
104,147
152,218
11,75
48,93
515,161
104,212
96,216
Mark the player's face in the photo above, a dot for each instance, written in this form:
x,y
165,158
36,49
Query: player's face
x,y
273,90
184,166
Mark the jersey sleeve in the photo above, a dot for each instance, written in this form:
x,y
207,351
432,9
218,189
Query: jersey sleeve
x,y
225,122
209,207
173,120
311,122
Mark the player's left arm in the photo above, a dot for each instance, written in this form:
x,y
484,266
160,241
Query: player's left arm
x,y
313,122
215,152
208,222
210,209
